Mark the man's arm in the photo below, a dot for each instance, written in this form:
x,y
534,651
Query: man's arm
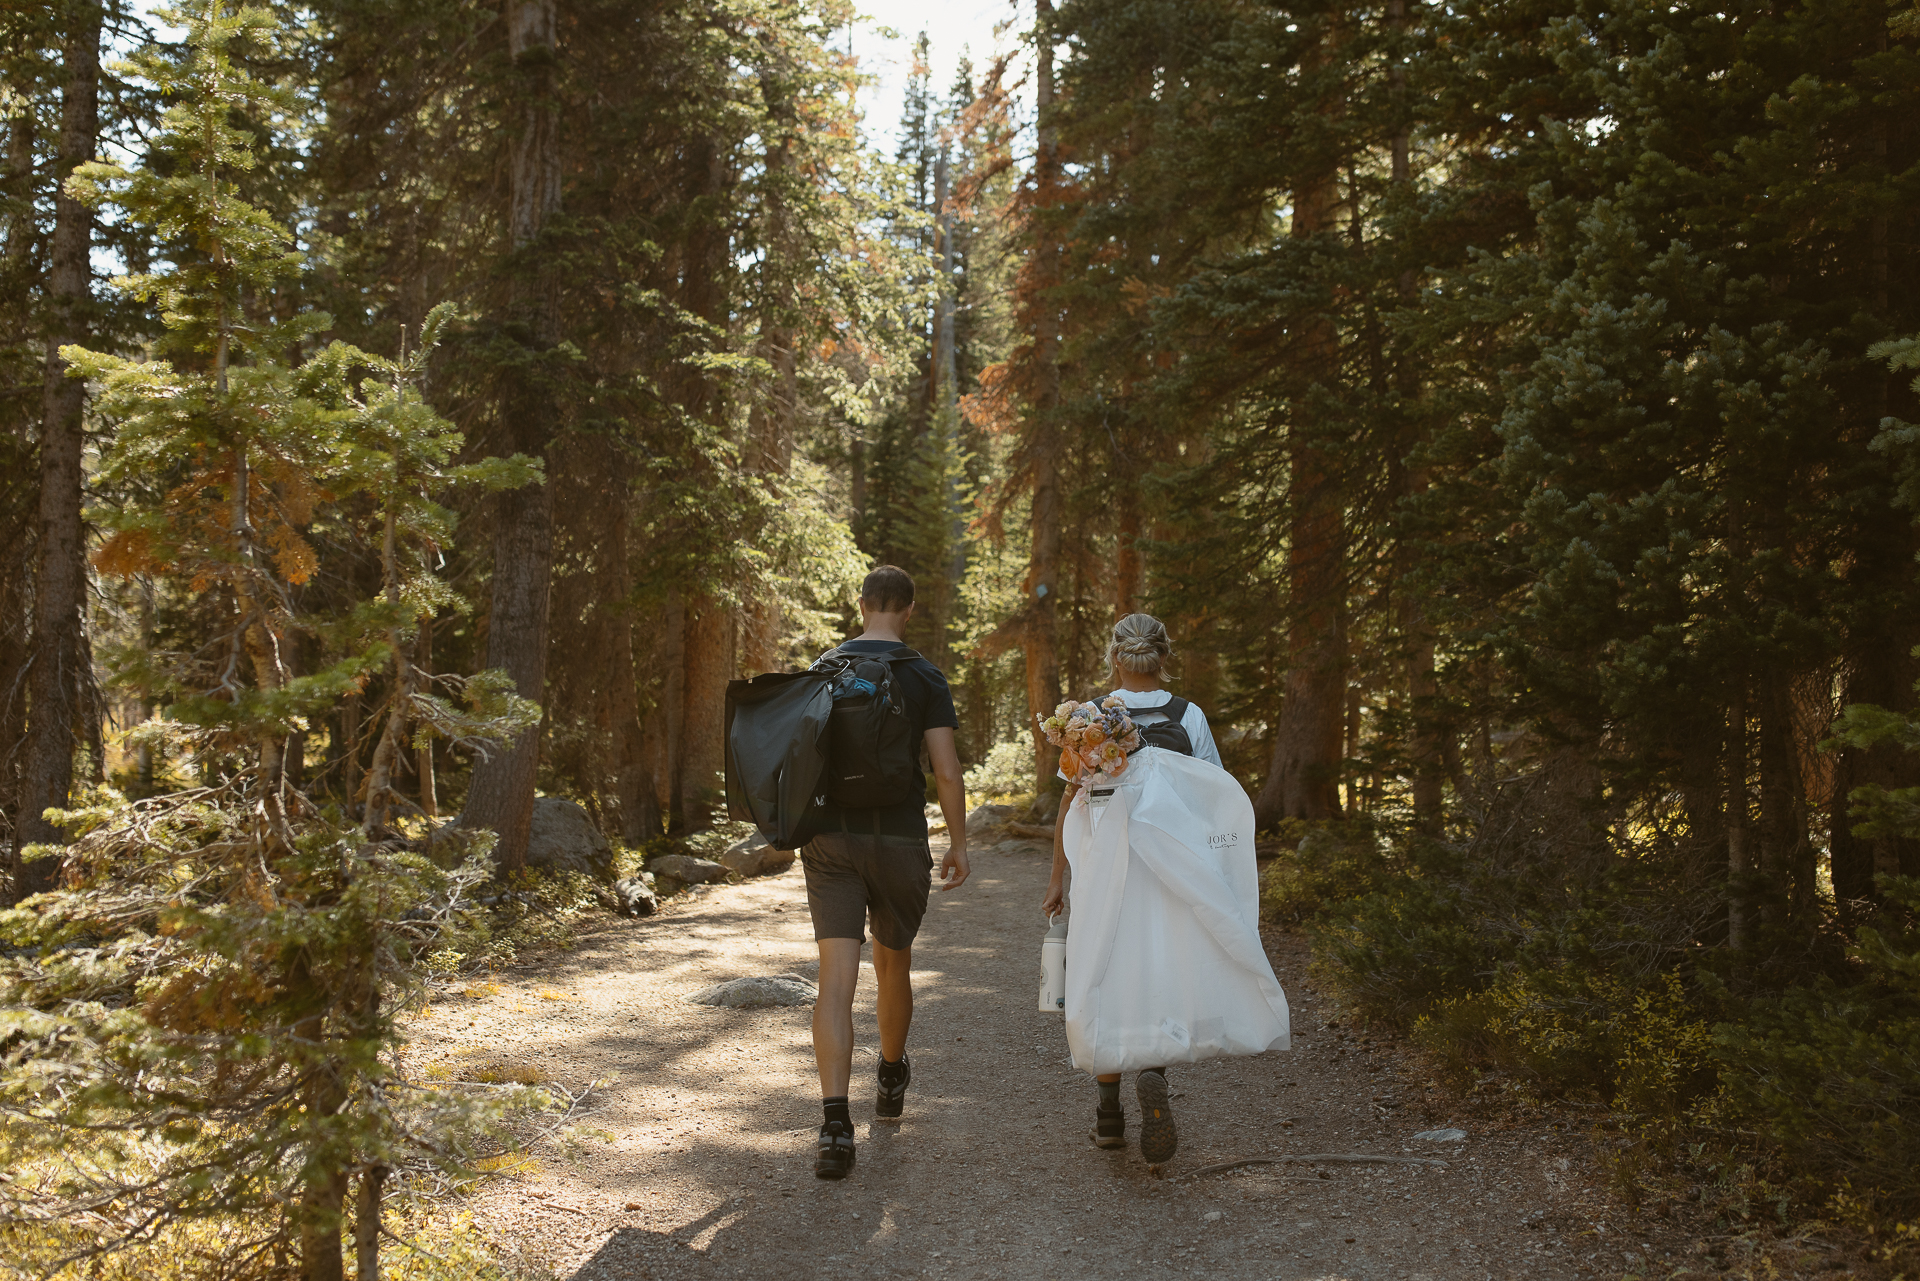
x,y
952,786
1056,899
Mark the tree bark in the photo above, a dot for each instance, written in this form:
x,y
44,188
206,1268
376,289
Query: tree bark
x,y
1042,585
423,755
58,681
1881,670
1783,826
501,795
1303,774
708,666
1739,852
633,785
1427,749
366,1225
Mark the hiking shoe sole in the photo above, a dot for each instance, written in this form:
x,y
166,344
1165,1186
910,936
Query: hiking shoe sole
x,y
892,1099
834,1158
1158,1137
1109,1129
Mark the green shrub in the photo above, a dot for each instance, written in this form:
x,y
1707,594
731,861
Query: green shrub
x,y
1007,772
1327,863
1642,1048
1832,1074
1398,952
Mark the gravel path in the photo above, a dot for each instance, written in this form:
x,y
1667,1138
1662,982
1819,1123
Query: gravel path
x,y
698,1163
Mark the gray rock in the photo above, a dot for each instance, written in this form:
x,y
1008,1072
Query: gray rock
x,y
754,857
1442,1136
634,897
563,839
758,992
982,817
687,869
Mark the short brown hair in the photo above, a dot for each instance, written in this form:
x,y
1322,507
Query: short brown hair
x,y
888,590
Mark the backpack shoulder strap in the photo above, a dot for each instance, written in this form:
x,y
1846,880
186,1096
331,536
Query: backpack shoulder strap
x,y
898,654
1176,709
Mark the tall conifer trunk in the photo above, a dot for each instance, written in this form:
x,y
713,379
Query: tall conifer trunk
x,y
58,680
632,770
1426,751
1303,774
423,754
707,657
19,480
1043,557
771,424
501,796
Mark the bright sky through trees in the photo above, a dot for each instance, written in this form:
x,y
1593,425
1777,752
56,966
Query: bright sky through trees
x,y
951,27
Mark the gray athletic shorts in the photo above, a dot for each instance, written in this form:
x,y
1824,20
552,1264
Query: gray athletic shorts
x,y
853,877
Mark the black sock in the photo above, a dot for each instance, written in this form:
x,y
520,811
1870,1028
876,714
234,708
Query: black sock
x,y
893,1072
1109,1095
836,1108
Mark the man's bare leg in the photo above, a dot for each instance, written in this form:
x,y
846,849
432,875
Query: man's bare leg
x,y
833,1014
893,971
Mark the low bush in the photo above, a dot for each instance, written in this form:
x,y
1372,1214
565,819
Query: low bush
x,y
1566,966
1643,1049
1321,864
1831,1073
1006,772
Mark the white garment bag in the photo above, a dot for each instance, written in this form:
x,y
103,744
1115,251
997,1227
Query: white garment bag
x,y
1164,961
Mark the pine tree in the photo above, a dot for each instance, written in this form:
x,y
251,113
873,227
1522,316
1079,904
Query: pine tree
x,y
261,946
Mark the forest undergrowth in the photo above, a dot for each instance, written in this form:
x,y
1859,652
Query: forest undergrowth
x,y
1544,961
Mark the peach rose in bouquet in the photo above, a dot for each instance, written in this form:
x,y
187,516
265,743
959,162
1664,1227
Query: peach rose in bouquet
x,y
1095,739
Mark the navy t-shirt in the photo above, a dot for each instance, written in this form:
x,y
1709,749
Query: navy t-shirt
x,y
929,702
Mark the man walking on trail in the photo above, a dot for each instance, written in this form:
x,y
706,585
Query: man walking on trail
x,y
873,864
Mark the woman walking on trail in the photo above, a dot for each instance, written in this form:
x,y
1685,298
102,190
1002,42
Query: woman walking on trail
x,y
1164,959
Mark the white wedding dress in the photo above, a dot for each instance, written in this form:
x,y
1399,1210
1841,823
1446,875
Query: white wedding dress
x,y
1164,961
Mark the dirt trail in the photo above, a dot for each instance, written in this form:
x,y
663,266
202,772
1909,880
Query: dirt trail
x,y
707,1128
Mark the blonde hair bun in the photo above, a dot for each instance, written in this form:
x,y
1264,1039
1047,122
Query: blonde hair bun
x,y
1140,644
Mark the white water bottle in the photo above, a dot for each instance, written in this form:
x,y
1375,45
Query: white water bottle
x,y
1053,967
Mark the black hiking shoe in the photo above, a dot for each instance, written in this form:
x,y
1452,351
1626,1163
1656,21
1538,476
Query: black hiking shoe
x,y
834,1160
1109,1128
892,1098
1158,1138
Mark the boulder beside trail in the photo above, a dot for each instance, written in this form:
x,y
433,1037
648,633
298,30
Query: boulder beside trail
x,y
632,897
984,816
758,992
675,871
754,857
562,838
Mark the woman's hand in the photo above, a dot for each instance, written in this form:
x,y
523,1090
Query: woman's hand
x,y
1056,900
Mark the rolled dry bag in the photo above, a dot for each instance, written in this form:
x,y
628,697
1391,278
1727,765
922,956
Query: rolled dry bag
x,y
776,750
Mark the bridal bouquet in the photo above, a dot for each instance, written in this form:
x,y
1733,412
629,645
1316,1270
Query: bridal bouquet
x,y
1094,739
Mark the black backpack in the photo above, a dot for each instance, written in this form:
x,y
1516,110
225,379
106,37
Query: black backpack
x,y
777,751
873,759
1166,730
